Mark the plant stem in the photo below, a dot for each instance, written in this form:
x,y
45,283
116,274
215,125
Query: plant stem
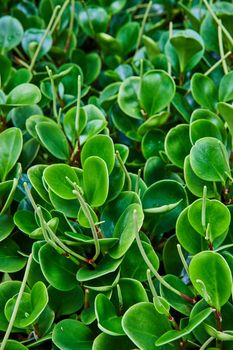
x,y
77,114
125,170
53,92
87,213
203,208
221,48
225,31
10,196
137,188
33,61
182,258
28,193
120,298
71,26
217,63
206,343
57,20
151,267
143,25
17,303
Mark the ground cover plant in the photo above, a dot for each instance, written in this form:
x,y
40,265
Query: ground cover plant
x,y
116,125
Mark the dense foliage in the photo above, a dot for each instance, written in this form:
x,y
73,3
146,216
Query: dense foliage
x,y
116,124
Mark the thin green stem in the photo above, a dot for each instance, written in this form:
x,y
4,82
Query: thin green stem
x,y
137,187
10,196
143,25
221,48
151,267
151,284
53,92
17,303
225,31
182,258
77,114
203,208
125,170
71,26
34,58
120,297
58,18
29,195
86,211
212,68
206,343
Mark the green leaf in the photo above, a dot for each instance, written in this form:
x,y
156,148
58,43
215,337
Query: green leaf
x,y
101,146
105,342
53,139
35,174
189,47
144,325
11,143
209,160
163,88
30,307
95,181
6,226
226,111
204,128
204,91
96,16
125,230
72,334
10,259
24,94
217,217
211,276
226,88
56,175
173,334
32,38
61,273
105,266
11,33
177,144
14,345
107,318
128,36
128,97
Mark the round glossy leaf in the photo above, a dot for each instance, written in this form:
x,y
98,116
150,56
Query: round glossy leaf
x,y
211,276
6,226
128,97
35,174
171,259
96,122
177,302
30,307
11,32
209,160
32,38
226,111
72,334
157,89
189,47
144,325
10,259
128,36
226,88
61,273
7,290
25,221
24,94
14,345
65,303
134,266
204,128
113,6
194,183
100,146
204,91
107,342
177,144
89,63
53,139
95,15
187,236
106,315
153,143
11,143
56,176
125,230
217,217
69,123
160,194
5,68
69,208
95,181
